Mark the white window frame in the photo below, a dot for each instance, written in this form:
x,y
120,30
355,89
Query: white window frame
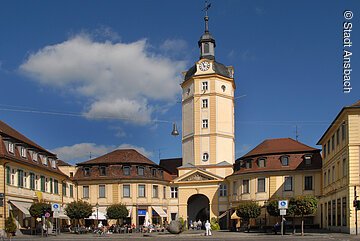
x,y
205,123
23,152
87,193
174,192
205,103
204,85
222,190
125,187
286,189
140,194
155,191
11,147
102,191
258,182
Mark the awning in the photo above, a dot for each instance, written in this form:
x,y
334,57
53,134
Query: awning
x,y
223,214
235,216
129,208
62,215
94,216
23,207
160,211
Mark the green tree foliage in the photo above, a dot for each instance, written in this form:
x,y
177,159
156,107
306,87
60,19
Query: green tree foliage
x,y
38,209
117,211
78,210
248,210
214,224
301,206
272,207
10,225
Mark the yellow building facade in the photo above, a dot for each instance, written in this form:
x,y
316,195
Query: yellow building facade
x,y
340,173
29,174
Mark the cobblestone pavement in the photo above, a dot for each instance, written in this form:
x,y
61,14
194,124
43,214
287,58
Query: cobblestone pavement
x,y
194,235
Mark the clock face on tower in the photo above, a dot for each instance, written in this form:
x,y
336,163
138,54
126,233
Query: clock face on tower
x,y
205,65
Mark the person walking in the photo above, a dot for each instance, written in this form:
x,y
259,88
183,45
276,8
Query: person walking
x,y
207,228
199,225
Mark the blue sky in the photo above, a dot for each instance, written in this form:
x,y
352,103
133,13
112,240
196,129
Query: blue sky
x,y
91,76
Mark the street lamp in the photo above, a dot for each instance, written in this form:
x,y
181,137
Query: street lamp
x,y
97,213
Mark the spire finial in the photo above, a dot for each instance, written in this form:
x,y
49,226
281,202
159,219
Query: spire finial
x,y
206,18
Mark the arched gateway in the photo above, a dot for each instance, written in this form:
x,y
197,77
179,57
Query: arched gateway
x,y
198,208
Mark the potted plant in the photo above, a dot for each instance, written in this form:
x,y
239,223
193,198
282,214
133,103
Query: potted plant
x,y
10,226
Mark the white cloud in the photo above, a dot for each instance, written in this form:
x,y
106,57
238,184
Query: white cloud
x,y
120,80
82,151
175,45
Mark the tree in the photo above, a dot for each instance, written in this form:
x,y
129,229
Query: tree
x,y
303,205
78,210
10,226
39,209
248,210
117,211
272,207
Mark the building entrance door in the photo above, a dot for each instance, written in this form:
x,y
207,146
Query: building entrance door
x,y
198,208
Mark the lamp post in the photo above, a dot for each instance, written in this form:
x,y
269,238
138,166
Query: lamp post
x,y
97,213
265,205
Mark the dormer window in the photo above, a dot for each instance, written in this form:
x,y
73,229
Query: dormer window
x,y
35,157
126,171
86,171
153,171
140,171
261,162
23,152
102,171
45,160
248,164
53,163
11,147
307,159
284,161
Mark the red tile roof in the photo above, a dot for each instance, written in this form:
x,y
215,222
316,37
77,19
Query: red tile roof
x,y
280,145
62,163
129,156
9,131
171,165
356,104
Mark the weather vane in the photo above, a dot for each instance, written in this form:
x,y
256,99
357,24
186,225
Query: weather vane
x,y
207,6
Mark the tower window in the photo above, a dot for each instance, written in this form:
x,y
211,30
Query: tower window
x,y
205,123
205,157
205,103
206,48
204,85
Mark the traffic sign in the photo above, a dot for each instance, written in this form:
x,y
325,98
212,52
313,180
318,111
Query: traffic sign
x,y
55,207
283,204
282,212
56,214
